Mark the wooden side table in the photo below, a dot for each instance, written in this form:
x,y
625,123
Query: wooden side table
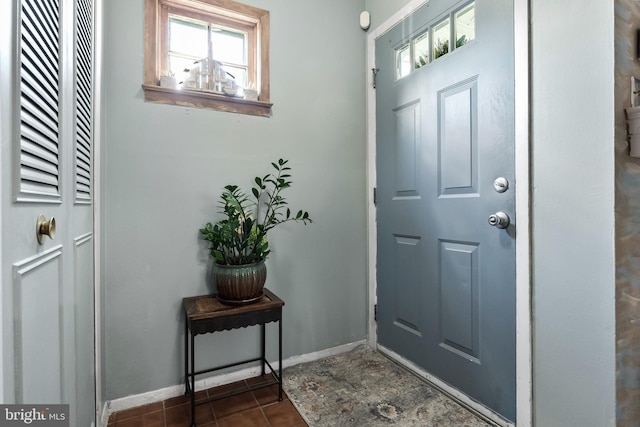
x,y
205,314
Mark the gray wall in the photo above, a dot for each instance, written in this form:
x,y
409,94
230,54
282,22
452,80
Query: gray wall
x,y
164,167
381,10
572,197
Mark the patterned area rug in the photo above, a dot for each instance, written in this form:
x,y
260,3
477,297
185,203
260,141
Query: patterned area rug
x,y
364,388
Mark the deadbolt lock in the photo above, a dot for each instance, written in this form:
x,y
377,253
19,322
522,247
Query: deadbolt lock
x,y
501,184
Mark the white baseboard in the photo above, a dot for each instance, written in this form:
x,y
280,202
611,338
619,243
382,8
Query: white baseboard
x,y
103,415
453,392
216,380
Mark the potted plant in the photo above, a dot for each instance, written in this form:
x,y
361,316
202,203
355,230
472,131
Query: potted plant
x,y
239,244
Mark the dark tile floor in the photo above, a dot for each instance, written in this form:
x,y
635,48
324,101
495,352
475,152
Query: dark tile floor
x,y
257,408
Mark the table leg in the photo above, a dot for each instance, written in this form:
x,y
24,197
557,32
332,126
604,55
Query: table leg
x,y
280,359
262,347
193,383
186,357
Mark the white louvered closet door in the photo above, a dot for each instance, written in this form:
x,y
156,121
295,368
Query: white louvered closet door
x,y
46,129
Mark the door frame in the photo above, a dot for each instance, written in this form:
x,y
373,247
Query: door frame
x,y
5,11
524,377
101,411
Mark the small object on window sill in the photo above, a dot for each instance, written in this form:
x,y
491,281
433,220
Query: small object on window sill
x,y
251,94
230,91
168,81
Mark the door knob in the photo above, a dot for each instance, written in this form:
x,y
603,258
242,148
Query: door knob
x,y
45,228
499,219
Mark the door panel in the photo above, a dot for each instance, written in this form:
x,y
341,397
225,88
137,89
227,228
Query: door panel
x,y
84,329
459,305
38,328
409,309
39,100
445,132
458,141
46,63
408,129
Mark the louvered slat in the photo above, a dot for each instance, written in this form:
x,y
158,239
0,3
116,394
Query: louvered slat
x,y
34,149
36,77
44,26
37,166
83,101
32,89
39,100
38,130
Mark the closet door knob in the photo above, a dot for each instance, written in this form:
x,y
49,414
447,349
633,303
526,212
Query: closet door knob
x,y
45,228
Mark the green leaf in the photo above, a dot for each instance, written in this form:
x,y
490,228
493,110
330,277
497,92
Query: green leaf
x,y
238,238
218,256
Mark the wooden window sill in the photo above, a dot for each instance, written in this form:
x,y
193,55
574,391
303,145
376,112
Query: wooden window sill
x,y
199,99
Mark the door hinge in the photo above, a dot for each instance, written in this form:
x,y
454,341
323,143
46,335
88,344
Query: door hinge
x,y
375,313
375,196
374,71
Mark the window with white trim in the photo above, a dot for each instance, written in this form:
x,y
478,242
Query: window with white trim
x,y
207,54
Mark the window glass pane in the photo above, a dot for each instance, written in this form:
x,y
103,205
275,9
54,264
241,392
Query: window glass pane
x,y
465,25
421,50
403,61
229,46
239,74
179,68
188,38
441,39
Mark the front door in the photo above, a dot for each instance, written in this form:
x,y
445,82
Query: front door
x,y
445,198
46,125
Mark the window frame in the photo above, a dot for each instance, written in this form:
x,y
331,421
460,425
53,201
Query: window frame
x,y
227,12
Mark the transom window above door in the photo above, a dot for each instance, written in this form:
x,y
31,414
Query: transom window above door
x,y
436,40
207,54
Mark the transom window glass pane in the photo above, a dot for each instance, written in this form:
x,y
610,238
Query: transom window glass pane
x,y
441,34
403,61
421,50
465,25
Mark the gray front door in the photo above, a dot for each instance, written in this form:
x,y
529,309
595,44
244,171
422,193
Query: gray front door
x,y
445,134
